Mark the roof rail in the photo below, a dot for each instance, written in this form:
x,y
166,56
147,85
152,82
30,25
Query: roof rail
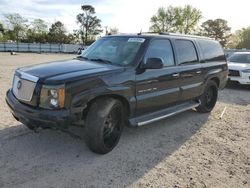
x,y
170,34
184,35
149,33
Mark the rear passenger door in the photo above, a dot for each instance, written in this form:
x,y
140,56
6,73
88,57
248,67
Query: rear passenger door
x,y
191,77
158,88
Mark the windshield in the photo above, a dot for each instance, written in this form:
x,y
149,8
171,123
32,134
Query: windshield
x,y
240,58
113,50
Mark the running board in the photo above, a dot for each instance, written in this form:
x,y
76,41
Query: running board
x,y
155,116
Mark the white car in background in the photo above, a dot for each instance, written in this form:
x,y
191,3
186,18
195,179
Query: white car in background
x,y
239,67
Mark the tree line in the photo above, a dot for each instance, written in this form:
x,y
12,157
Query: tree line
x,y
19,29
184,20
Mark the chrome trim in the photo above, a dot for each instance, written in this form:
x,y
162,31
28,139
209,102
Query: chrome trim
x,y
191,86
23,94
27,76
176,74
167,115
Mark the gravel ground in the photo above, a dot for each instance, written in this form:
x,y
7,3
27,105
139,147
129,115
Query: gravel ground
x,y
188,150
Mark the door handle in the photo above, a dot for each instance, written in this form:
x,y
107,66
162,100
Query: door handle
x,y
175,75
198,72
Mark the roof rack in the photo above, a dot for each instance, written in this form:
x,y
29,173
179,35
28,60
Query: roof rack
x,y
183,35
168,33
149,33
173,34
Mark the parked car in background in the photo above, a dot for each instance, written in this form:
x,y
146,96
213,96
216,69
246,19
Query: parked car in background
x,y
239,67
80,50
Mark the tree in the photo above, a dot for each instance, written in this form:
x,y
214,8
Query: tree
x,y
37,32
244,38
2,38
57,33
113,30
70,38
17,24
89,23
32,36
39,26
233,41
1,28
217,29
187,19
175,19
164,20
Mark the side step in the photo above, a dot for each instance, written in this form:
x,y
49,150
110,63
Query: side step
x,y
155,116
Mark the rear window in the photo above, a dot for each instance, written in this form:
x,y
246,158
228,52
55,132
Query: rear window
x,y
240,58
186,52
212,50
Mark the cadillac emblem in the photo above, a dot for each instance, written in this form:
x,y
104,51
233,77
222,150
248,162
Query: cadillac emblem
x,y
19,84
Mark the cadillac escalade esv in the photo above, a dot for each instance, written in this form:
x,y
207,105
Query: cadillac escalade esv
x,y
120,80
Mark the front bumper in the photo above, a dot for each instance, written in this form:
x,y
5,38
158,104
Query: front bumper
x,y
244,78
37,117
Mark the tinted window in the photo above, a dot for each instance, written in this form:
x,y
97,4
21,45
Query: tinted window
x,y
212,50
161,48
240,58
186,52
117,50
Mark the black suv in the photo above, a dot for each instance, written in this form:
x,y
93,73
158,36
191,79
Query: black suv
x,y
121,79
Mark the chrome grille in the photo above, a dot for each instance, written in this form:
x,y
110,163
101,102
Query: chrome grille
x,y
23,89
234,73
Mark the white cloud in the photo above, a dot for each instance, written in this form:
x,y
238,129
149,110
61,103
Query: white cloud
x,y
126,15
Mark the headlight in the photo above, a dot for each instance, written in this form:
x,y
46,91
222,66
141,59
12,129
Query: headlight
x,y
52,97
246,71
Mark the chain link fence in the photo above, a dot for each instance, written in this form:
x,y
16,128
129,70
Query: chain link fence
x,y
39,48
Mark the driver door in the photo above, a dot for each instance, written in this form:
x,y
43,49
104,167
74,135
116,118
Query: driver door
x,y
157,89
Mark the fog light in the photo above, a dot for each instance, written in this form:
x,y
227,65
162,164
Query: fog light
x,y
54,102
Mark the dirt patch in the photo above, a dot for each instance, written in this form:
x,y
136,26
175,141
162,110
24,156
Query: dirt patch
x,y
188,150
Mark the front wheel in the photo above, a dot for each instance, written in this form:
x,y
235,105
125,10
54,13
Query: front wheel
x,y
104,125
208,98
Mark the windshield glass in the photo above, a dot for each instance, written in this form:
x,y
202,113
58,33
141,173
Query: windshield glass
x,y
240,58
114,50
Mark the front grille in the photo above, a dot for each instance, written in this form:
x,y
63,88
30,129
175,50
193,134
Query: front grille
x,y
23,89
234,73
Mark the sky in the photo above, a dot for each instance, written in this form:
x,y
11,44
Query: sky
x,y
129,16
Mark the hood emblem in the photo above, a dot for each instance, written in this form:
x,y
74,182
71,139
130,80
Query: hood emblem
x,y
19,84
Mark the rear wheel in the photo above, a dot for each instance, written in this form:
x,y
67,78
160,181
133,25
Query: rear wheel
x,y
208,98
104,125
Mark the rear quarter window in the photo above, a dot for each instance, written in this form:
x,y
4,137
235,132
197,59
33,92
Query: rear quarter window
x,y
186,52
211,50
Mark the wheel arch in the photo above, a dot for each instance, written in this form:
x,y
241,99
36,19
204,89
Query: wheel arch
x,y
114,96
216,80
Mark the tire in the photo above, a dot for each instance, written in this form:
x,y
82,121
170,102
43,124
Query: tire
x,y
209,98
104,124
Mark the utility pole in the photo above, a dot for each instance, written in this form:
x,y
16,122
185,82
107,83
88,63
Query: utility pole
x,y
106,30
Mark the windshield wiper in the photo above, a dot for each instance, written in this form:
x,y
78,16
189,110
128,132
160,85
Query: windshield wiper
x,y
82,57
101,60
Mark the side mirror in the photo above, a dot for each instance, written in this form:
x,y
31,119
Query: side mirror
x,y
153,63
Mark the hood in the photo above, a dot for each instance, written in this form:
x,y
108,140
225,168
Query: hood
x,y
238,66
67,70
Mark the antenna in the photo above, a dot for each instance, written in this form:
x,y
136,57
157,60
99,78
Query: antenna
x,y
140,32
